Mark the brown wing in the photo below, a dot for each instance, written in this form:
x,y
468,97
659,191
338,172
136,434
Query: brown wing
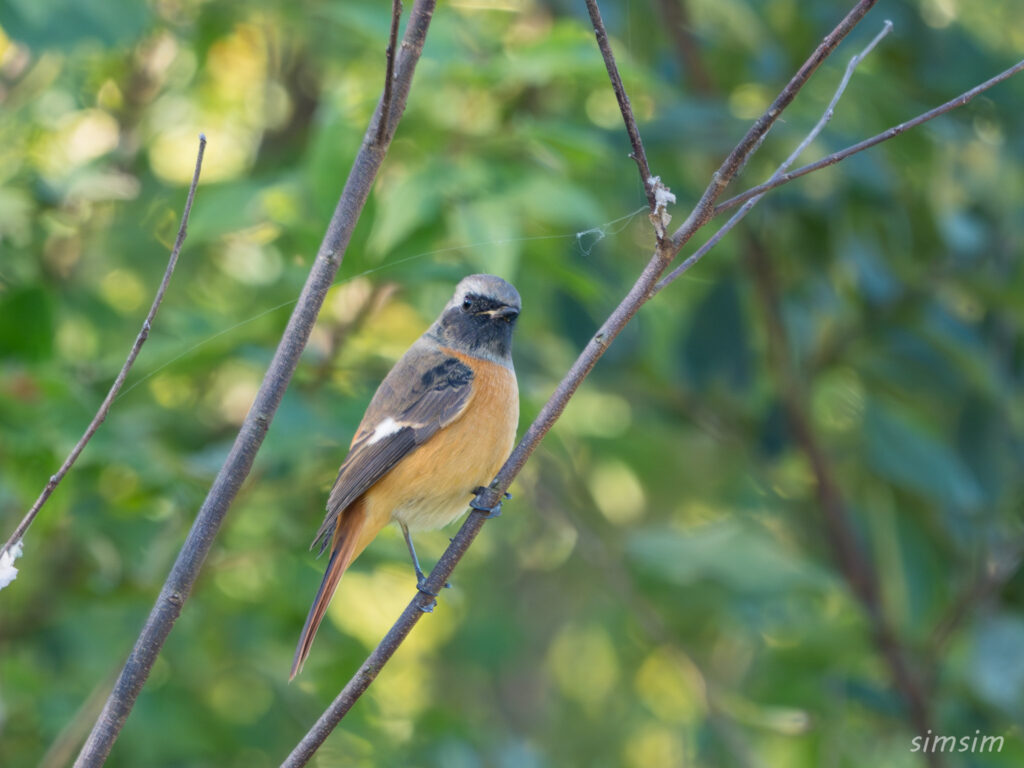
x,y
426,390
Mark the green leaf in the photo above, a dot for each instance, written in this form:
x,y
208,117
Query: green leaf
x,y
716,348
26,324
908,455
740,558
997,663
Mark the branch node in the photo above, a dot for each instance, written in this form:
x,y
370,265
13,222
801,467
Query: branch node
x,y
663,197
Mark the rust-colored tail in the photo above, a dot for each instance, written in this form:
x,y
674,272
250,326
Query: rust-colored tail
x,y
344,548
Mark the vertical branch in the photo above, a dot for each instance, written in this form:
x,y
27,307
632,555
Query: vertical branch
x,y
849,553
104,408
676,15
236,467
625,108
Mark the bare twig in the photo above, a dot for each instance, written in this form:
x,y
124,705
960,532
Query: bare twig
x,y
638,154
737,217
236,467
104,409
749,143
885,135
637,296
389,71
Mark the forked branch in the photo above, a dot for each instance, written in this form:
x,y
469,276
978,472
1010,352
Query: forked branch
x,y
810,137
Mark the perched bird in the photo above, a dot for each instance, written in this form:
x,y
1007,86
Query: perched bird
x,y
440,425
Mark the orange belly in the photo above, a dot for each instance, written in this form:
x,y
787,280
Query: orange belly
x,y
462,456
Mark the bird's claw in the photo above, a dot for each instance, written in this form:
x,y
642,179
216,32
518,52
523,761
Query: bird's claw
x,y
494,511
480,489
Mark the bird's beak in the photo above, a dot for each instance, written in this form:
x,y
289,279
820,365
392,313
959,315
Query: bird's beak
x,y
508,313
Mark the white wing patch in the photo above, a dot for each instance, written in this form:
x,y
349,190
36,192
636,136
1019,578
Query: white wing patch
x,y
387,427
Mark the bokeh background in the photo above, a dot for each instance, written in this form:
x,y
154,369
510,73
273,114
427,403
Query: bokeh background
x,y
660,592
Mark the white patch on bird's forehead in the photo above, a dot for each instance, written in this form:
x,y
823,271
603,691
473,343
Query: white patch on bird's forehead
x,y
489,286
387,427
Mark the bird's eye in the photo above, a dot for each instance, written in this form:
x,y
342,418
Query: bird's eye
x,y
467,305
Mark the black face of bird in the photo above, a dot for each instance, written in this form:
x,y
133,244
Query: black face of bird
x,y
480,325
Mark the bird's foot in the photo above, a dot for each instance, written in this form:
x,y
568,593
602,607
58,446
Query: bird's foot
x,y
421,586
494,511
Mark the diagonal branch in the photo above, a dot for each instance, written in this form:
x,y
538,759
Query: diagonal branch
x,y
236,467
638,295
104,409
811,136
704,209
885,135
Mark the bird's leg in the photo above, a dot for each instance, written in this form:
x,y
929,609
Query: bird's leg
x,y
421,580
494,511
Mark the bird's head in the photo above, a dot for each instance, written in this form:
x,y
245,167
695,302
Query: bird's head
x,y
480,317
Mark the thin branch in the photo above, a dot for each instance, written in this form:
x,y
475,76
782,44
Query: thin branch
x,y
704,209
147,324
638,295
826,117
638,154
236,467
885,135
389,71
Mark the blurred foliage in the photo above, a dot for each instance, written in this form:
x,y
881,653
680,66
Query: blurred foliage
x,y
659,592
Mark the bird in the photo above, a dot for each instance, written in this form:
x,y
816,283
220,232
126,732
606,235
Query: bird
x,y
438,429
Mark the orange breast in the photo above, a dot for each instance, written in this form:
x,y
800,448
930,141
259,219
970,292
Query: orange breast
x,y
433,485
